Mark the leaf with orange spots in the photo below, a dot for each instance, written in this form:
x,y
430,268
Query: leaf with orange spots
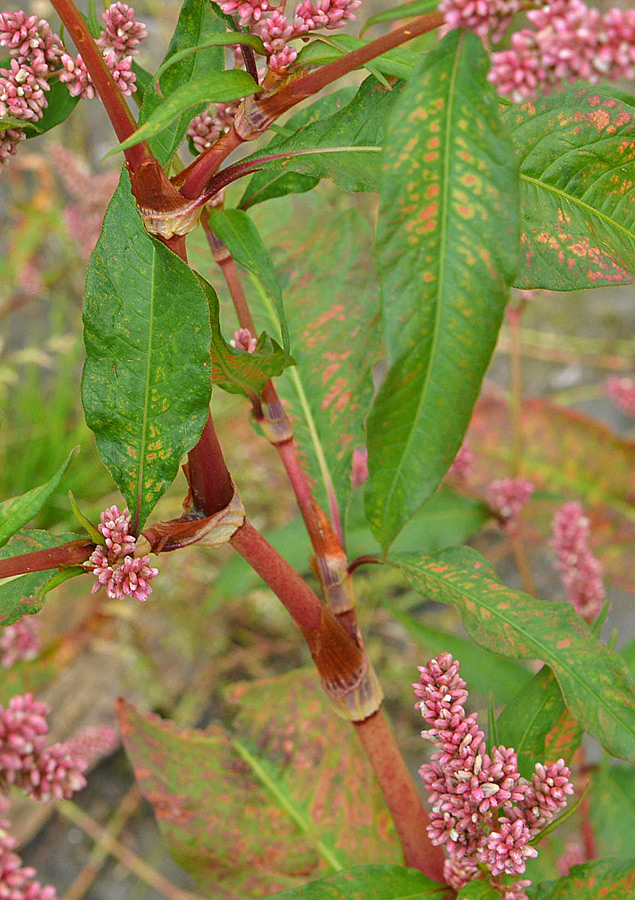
x,y
537,724
608,879
576,150
327,273
286,798
370,883
447,247
573,455
146,383
596,683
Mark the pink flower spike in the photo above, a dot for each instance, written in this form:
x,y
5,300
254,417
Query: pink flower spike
x,y
249,11
93,743
508,497
463,462
581,572
19,642
122,33
74,75
359,473
621,390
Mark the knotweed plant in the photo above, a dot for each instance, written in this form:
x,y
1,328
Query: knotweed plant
x,y
502,156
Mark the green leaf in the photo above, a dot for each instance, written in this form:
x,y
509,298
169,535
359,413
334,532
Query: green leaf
x,y
218,40
368,883
60,106
447,249
595,683
146,383
612,809
267,185
293,770
237,371
344,146
17,511
478,890
576,152
332,310
214,88
402,11
483,671
609,879
537,725
198,21
22,596
400,62
242,239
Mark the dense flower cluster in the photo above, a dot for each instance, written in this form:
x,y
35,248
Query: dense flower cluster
x,y
26,762
118,42
359,467
509,496
277,30
580,570
38,56
483,811
244,340
621,390
41,772
206,128
17,882
567,40
116,568
19,642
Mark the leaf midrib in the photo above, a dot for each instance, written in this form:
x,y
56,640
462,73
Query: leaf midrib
x,y
580,203
442,245
146,395
511,623
301,820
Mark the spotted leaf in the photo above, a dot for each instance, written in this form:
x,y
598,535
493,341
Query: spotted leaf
x,y
576,151
447,250
287,799
146,384
369,883
596,684
610,879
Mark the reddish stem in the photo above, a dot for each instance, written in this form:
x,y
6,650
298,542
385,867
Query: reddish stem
x,y
120,116
71,554
210,484
196,177
409,815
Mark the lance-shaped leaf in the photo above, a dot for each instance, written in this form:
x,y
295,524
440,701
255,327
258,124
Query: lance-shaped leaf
x,y
537,724
146,383
199,20
400,62
369,883
288,799
17,511
242,239
447,249
188,98
344,146
332,309
22,596
267,185
609,879
478,890
596,684
237,371
576,151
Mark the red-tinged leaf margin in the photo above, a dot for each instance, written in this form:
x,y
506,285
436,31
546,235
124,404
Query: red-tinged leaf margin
x,y
293,767
596,683
608,879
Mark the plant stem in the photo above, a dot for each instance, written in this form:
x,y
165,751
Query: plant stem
x,y
268,106
401,794
71,554
116,107
210,484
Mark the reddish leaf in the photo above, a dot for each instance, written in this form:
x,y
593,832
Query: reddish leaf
x,y
290,800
